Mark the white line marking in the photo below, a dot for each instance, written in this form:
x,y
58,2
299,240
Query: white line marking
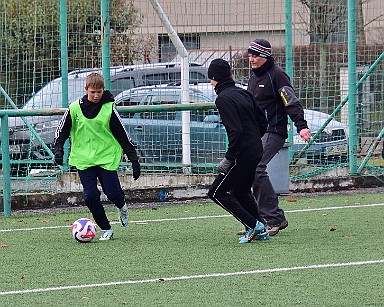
x,y
318,266
197,217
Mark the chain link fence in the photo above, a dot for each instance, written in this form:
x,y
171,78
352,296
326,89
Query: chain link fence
x,y
48,47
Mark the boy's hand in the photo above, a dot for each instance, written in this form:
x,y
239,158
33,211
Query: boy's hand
x,y
136,170
59,157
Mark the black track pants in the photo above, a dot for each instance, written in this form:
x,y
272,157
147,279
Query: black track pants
x,y
233,192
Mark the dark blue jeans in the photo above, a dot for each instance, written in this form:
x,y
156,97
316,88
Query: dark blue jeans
x,y
110,184
263,191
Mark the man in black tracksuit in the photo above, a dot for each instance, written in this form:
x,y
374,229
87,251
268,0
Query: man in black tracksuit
x,y
245,124
273,92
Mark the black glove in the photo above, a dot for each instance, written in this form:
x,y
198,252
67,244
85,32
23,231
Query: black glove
x,y
59,157
136,169
225,165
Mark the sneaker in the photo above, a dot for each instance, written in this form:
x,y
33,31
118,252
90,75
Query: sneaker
x,y
242,232
273,229
253,234
123,215
106,235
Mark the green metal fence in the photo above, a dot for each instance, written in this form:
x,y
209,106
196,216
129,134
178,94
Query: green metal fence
x,y
332,50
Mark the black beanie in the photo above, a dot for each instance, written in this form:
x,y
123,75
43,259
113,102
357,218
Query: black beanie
x,y
260,47
219,70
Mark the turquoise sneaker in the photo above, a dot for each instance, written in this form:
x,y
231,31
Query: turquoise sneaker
x,y
257,233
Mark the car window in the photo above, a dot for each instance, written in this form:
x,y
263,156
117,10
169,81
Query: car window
x,y
169,77
50,96
160,100
197,77
161,78
119,85
129,101
198,115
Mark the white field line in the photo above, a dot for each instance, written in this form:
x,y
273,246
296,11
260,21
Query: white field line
x,y
196,217
165,279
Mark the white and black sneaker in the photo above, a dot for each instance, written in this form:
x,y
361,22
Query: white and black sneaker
x,y
106,235
123,215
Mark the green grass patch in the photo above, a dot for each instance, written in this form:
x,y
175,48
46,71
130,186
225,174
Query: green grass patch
x,y
197,249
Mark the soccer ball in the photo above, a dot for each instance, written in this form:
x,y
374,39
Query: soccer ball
x,y
83,230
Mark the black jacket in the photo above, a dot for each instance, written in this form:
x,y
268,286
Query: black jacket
x,y
273,92
243,120
90,110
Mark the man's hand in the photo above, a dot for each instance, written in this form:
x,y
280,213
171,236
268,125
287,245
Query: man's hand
x,y
305,134
225,165
136,172
59,157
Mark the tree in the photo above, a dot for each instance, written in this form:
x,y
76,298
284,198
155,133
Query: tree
x,y
328,25
30,41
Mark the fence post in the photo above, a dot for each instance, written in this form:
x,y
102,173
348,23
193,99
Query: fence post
x,y
289,60
352,86
6,165
105,43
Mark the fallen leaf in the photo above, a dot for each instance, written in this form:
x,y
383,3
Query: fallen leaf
x,y
291,200
22,277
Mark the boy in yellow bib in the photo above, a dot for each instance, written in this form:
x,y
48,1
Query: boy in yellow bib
x,y
98,139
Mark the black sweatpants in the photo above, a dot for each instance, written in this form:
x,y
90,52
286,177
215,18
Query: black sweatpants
x,y
233,191
110,184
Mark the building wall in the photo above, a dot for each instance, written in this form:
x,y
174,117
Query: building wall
x,y
234,23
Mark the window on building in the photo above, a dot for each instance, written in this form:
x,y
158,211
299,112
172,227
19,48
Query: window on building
x,y
167,49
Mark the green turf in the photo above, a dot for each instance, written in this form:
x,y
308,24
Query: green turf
x,y
46,258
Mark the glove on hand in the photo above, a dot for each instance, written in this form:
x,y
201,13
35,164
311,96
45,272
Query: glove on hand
x,y
225,165
59,157
136,170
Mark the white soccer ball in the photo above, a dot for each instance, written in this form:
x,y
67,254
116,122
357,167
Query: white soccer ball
x,y
83,230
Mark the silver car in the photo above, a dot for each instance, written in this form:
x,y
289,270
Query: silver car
x,y
331,145
158,135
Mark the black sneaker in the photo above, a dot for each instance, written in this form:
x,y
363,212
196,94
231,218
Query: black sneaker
x,y
273,229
